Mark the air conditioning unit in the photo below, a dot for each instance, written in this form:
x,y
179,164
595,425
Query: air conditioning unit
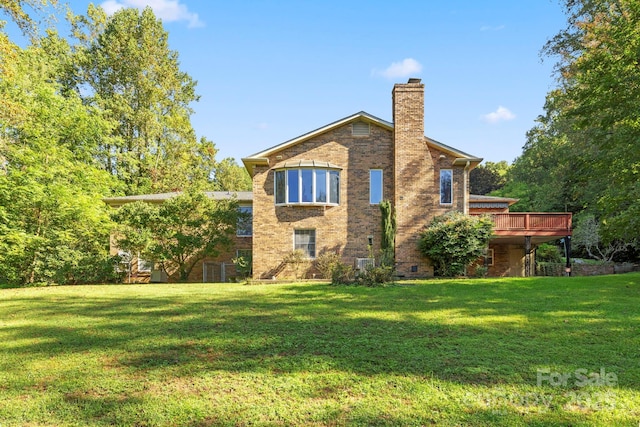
x,y
158,276
364,263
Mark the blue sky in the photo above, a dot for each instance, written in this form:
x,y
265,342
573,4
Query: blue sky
x,y
271,70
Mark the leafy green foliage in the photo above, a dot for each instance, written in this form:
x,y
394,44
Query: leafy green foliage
x,y
583,154
453,241
178,233
326,263
387,244
342,274
298,261
548,252
16,10
587,235
105,112
54,226
373,275
229,176
488,177
128,71
244,266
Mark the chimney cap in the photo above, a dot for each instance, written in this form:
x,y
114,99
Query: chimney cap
x,y
414,80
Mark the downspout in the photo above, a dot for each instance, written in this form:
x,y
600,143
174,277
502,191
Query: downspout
x,y
465,189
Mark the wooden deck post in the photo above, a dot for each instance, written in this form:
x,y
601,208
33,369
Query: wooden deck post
x,y
567,250
527,256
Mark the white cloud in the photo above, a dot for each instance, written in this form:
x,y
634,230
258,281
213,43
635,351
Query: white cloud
x,y
408,67
490,28
500,115
167,10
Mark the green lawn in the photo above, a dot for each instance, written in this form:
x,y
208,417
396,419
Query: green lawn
x,y
440,352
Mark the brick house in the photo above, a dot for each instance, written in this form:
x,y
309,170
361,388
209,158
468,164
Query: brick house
x,y
321,192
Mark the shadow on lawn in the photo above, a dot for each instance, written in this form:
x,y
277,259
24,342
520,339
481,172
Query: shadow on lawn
x,y
480,333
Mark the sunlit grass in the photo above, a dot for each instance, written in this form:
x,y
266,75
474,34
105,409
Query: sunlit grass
x,y
443,352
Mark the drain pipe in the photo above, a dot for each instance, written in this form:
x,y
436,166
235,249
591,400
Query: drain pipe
x,y
465,189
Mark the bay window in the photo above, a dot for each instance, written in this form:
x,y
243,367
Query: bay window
x,y
307,185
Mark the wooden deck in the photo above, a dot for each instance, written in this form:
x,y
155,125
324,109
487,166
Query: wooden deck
x,y
531,224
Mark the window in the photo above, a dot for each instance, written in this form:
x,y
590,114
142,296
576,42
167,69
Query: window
x,y
321,186
293,186
281,187
446,186
144,266
244,226
488,258
375,186
305,240
311,186
334,187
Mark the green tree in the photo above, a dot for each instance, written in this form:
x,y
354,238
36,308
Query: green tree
x,y
229,176
15,10
453,241
54,227
587,235
595,111
488,177
178,233
136,79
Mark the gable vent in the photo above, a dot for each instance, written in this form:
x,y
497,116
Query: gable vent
x,y
360,129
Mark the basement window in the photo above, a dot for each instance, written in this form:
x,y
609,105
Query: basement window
x,y
305,241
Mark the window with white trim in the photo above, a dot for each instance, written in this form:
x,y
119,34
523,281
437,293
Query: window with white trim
x,y
144,265
311,186
446,186
305,240
244,226
375,186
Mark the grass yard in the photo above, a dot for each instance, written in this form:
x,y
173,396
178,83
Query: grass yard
x,y
442,352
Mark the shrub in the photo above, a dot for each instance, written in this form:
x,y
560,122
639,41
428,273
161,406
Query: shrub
x,y
481,271
244,265
387,244
326,262
454,240
375,276
298,260
342,274
547,252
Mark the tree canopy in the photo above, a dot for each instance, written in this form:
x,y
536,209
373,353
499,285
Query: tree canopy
x,y
583,156
179,233
488,177
104,112
54,226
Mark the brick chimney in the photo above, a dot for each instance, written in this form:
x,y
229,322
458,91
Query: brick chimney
x,y
413,177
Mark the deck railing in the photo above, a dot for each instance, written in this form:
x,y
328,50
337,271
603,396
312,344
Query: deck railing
x,y
532,222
